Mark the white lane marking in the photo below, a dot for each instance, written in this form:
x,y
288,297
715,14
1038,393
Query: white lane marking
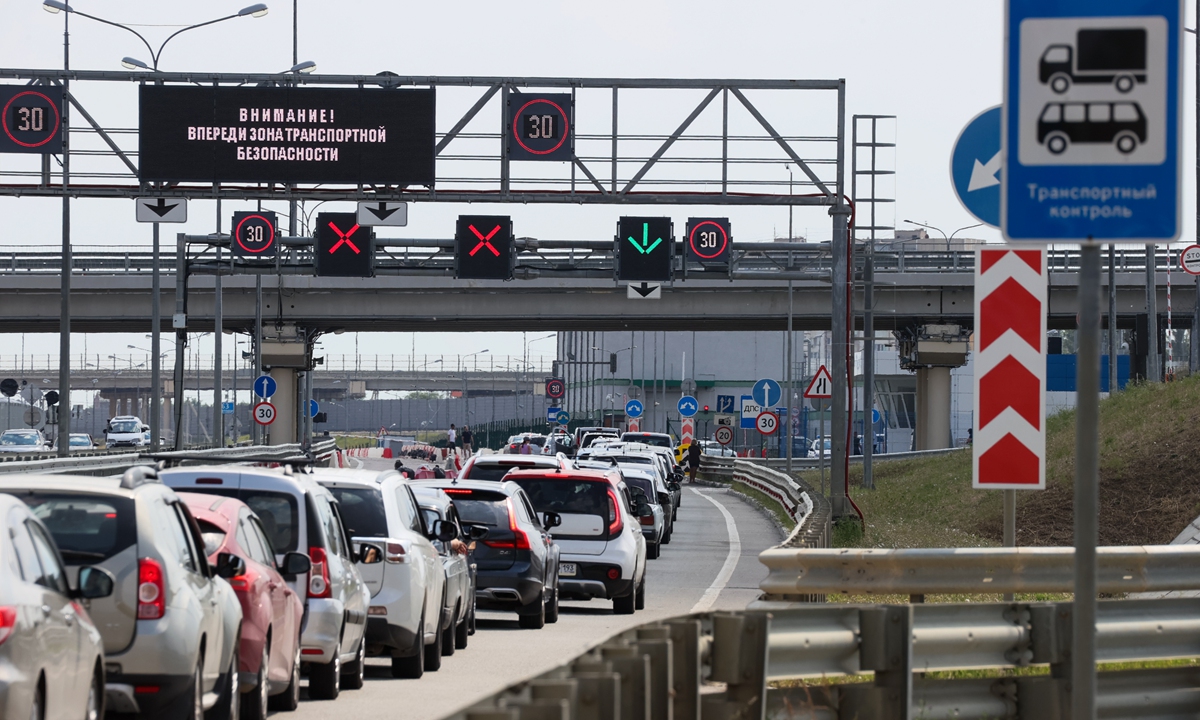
x,y
735,550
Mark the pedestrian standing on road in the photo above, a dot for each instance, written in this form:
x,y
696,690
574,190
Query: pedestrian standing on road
x,y
526,448
693,456
468,441
451,437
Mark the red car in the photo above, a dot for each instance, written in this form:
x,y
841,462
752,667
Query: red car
x,y
269,654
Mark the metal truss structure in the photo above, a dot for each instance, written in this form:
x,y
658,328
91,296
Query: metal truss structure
x,y
637,141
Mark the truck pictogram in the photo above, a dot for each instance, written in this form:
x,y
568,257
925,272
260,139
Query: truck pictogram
x,y
1099,56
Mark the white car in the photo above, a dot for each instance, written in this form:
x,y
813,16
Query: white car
x,y
633,458
407,617
603,552
495,467
459,598
712,447
655,526
126,431
301,516
23,441
814,449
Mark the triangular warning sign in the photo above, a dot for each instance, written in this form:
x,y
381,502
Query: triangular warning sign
x,y
821,385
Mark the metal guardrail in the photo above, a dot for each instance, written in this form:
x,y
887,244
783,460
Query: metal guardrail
x,y
807,463
1123,569
727,665
115,463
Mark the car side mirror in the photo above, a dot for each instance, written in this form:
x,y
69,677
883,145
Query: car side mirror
x,y
643,509
295,563
145,428
673,486
370,554
444,531
94,583
551,520
477,532
229,566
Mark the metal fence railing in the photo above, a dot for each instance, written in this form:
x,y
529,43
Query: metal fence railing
x,y
115,463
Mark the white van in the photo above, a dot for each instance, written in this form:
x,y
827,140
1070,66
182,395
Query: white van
x,y
126,431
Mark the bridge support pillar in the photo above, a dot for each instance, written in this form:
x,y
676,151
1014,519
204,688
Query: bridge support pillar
x,y
113,407
283,430
933,408
931,351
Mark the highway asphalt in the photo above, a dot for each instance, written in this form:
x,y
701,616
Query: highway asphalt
x,y
705,567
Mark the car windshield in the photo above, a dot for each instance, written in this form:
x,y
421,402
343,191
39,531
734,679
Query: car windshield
x,y
579,497
125,426
83,440
20,438
87,528
362,511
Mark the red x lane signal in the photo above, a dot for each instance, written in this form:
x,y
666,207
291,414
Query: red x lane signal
x,y
480,255
344,239
484,240
343,253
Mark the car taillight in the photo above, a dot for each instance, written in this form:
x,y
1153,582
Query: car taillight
x,y
615,524
396,553
318,576
520,541
8,621
239,582
646,520
152,594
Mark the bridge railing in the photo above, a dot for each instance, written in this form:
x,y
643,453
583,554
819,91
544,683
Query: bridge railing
x,y
115,463
535,366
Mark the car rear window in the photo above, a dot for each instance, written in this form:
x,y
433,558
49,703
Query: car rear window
x,y
493,472
648,439
87,528
576,497
362,511
642,484
480,507
279,514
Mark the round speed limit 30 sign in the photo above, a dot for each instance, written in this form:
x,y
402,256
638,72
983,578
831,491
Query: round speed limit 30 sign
x,y
264,413
767,423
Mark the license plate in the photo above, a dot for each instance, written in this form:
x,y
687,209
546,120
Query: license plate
x,y
567,570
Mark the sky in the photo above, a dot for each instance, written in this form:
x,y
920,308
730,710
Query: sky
x,y
934,64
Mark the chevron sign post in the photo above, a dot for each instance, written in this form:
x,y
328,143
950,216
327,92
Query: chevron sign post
x,y
1010,369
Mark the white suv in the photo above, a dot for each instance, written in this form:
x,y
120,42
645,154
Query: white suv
x,y
406,617
301,516
495,467
170,627
603,553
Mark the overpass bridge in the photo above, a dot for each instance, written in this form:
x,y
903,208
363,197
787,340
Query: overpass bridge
x,y
559,285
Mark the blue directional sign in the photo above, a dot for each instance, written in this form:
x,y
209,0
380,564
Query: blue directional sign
x,y
688,406
312,408
750,410
875,416
264,386
1092,121
634,408
766,392
563,417
226,408
975,167
725,404
552,414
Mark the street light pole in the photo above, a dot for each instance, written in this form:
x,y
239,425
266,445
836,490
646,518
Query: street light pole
x,y
64,326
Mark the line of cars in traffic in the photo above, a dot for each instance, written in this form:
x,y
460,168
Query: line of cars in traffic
x,y
208,592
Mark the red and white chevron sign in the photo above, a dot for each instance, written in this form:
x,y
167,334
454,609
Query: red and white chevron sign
x,y
1010,369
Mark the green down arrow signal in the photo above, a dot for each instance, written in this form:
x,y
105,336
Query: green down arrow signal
x,y
643,249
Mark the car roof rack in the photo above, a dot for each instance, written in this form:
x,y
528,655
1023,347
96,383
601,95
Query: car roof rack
x,y
171,460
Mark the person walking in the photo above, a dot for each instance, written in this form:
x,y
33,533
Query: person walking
x,y
468,443
693,456
451,438
526,448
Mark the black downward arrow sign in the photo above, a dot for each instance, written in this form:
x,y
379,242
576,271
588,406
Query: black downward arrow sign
x,y
383,212
644,290
162,208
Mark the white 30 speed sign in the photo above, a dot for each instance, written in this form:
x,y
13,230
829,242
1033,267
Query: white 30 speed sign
x,y
264,413
767,422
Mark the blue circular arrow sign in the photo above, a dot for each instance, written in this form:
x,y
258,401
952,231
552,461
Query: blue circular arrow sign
x,y
312,408
264,386
634,408
688,406
767,393
975,167
563,417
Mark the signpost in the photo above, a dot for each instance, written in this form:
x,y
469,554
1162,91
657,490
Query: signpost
x,y
643,291
688,406
821,386
708,241
264,413
645,249
264,386
724,435
556,388
750,411
394,214
563,417
1190,259
343,247
767,422
483,247
31,119
975,167
687,431
552,414
254,234
161,210
541,126
226,408
634,409
767,392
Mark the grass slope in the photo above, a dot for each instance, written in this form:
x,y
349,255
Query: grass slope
x,y
1149,485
